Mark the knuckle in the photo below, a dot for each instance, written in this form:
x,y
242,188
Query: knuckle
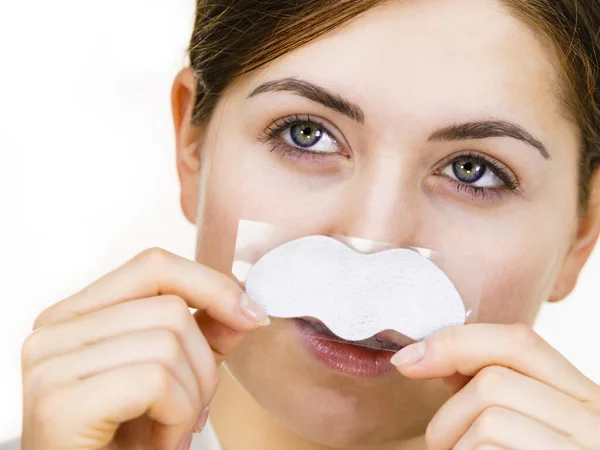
x,y
42,318
491,375
525,336
432,435
485,425
29,348
39,320
177,312
487,382
154,256
168,347
159,378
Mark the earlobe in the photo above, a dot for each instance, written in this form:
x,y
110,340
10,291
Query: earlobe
x,y
586,237
187,140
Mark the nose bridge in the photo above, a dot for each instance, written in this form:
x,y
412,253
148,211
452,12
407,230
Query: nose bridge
x,y
383,204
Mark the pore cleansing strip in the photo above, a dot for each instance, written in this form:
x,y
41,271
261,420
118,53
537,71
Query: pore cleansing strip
x,y
355,295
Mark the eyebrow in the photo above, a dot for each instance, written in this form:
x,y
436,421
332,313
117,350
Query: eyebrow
x,y
488,129
456,132
315,93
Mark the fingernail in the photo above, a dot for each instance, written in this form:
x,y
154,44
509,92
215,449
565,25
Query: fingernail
x,y
410,355
253,312
187,443
201,421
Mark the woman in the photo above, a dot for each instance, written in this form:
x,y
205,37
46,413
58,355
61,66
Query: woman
x,y
452,125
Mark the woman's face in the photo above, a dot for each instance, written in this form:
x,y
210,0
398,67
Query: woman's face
x,y
446,132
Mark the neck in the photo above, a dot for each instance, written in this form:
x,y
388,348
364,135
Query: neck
x,y
241,423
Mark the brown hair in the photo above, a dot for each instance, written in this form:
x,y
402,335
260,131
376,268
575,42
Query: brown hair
x,y
234,37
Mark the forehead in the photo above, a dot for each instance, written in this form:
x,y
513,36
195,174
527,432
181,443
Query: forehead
x,y
445,59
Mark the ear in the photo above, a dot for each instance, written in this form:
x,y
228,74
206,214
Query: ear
x,y
188,141
585,240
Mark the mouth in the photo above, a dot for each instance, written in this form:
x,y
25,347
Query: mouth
x,y
381,341
368,358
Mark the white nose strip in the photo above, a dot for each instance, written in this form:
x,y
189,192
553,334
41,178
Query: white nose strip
x,y
355,295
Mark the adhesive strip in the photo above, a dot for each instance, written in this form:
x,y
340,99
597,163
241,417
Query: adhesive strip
x,y
355,295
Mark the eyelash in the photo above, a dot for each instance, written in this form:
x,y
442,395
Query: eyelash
x,y
271,135
511,181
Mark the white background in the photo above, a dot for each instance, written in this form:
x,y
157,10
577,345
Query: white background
x,y
87,166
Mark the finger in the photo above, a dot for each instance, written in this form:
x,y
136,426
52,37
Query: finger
x,y
148,346
87,413
456,382
468,349
157,272
223,340
510,430
496,386
166,312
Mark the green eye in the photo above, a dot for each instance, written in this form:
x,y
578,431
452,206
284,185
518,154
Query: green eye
x,y
474,170
309,137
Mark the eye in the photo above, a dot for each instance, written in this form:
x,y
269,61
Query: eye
x,y
478,171
473,171
309,136
479,175
305,134
303,137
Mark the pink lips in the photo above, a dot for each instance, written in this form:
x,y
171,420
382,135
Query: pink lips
x,y
385,340
342,356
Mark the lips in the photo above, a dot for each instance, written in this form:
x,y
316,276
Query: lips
x,y
360,359
385,340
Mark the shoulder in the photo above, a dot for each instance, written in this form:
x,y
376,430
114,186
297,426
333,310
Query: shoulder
x,y
11,445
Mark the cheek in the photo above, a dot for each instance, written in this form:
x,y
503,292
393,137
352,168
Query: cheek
x,y
236,188
247,183
519,278
524,256
218,213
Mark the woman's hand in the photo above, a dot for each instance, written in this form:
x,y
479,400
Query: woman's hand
x,y
512,391
123,364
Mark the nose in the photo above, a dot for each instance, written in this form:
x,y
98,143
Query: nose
x,y
381,203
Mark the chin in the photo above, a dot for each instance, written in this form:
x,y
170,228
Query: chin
x,y
350,400
339,419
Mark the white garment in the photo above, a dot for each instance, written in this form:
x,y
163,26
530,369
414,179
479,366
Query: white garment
x,y
207,440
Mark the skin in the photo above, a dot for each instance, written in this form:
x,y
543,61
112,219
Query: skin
x,y
462,388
